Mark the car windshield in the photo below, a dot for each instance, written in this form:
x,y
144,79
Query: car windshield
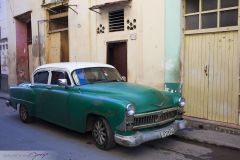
x,y
96,75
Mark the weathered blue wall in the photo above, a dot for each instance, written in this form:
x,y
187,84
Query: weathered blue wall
x,y
172,44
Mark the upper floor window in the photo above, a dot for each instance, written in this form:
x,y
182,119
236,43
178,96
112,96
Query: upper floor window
x,y
41,77
205,14
56,75
58,18
116,20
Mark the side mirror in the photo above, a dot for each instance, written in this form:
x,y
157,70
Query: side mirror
x,y
62,82
124,78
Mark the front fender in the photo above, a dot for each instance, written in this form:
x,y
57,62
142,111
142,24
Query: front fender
x,y
81,105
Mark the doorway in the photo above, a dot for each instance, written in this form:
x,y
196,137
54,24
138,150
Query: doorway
x,y
23,41
117,56
58,34
59,47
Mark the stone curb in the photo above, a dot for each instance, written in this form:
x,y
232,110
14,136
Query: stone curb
x,y
182,135
213,125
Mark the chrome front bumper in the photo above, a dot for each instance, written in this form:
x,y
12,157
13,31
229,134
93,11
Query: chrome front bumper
x,y
145,136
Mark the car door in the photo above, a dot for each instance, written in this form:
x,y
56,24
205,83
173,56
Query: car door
x,y
55,99
39,86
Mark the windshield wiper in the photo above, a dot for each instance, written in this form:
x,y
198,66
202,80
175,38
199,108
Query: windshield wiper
x,y
116,81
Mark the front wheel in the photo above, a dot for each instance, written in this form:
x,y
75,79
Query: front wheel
x,y
102,134
24,114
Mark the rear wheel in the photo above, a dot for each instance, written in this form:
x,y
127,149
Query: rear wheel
x,y
24,114
102,134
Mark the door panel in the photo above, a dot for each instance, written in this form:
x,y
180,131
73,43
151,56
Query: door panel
x,y
64,46
117,56
51,100
22,52
55,98
59,47
54,55
55,105
211,76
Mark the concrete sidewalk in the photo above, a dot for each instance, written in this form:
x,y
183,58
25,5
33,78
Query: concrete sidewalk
x,y
210,137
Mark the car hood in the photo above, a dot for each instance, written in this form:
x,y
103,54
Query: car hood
x,y
144,98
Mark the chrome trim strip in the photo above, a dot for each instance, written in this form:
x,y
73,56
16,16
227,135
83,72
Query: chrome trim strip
x,y
154,124
156,112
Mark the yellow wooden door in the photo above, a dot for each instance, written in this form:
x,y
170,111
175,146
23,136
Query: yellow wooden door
x,y
211,76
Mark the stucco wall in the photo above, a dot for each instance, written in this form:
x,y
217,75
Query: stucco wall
x,y
172,45
14,8
145,53
3,18
80,31
153,48
172,40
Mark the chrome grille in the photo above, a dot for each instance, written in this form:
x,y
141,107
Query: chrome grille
x,y
154,118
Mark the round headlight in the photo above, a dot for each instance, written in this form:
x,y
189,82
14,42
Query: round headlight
x,y
130,110
181,102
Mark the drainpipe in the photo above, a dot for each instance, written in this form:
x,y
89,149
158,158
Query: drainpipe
x,y
39,40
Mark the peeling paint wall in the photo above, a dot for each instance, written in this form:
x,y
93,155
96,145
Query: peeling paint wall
x,y
3,19
172,40
14,8
172,45
22,52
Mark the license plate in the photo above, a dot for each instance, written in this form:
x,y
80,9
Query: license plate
x,y
167,132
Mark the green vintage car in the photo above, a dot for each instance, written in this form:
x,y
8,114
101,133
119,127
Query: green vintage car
x,y
94,97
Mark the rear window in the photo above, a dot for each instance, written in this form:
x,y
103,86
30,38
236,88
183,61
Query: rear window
x,y
56,75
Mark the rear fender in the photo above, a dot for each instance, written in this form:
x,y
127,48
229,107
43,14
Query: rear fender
x,y
23,95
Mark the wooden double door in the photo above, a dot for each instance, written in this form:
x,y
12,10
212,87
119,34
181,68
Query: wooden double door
x,y
211,76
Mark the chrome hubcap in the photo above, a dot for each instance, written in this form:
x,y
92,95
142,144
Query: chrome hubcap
x,y
23,113
99,132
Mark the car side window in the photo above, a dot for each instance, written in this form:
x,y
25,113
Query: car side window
x,y
59,75
41,77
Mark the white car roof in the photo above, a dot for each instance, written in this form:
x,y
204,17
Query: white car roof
x,y
71,66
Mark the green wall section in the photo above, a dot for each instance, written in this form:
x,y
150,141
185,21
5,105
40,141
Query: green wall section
x,y
172,45
172,40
